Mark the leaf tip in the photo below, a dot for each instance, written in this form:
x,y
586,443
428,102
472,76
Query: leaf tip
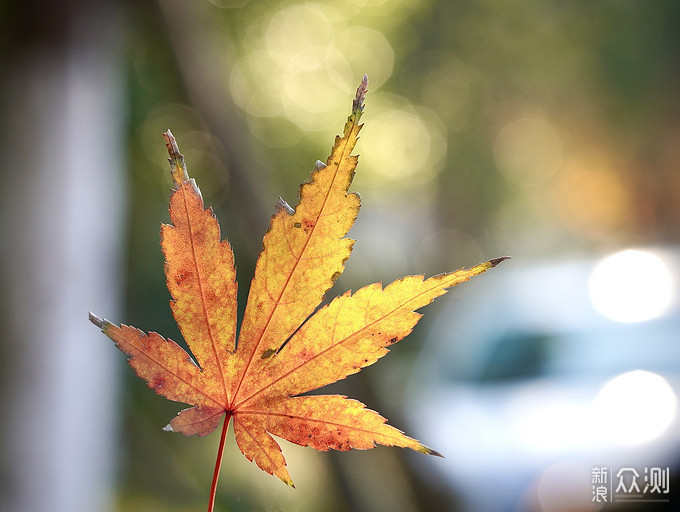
x,y
496,261
99,322
168,428
429,451
177,165
282,205
435,453
358,103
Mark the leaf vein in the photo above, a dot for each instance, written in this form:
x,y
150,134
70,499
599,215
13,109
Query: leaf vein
x,y
199,278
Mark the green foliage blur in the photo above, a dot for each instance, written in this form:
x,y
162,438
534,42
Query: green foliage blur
x,y
492,128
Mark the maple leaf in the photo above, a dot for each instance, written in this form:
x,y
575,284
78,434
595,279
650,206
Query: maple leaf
x,y
286,346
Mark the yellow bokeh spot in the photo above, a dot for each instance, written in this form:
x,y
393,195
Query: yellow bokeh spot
x,y
368,51
253,81
298,26
301,62
407,143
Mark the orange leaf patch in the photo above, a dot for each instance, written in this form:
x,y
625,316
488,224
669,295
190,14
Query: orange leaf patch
x,y
258,380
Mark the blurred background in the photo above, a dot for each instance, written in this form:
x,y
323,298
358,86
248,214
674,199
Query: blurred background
x,y
543,130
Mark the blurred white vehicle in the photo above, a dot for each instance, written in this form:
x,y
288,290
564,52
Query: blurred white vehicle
x,y
554,386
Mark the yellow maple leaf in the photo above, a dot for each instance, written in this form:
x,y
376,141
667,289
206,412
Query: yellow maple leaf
x,y
284,347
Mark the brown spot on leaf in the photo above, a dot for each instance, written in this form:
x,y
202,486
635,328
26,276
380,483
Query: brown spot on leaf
x,y
182,276
268,353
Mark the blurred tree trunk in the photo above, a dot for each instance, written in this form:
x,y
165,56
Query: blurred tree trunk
x,y
61,227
